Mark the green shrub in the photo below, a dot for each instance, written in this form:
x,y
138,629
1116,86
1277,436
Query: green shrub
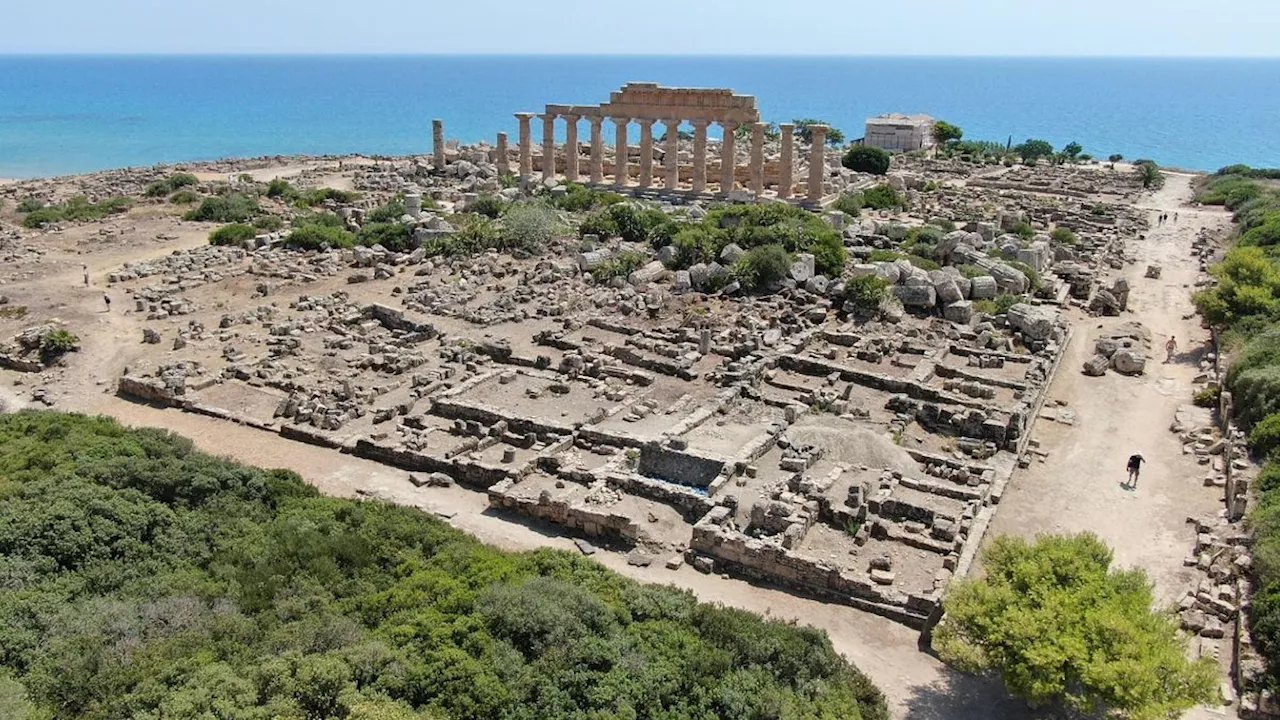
x,y
880,256
947,226
1256,394
1032,274
761,267
1263,235
40,218
476,233
882,197
393,236
925,234
528,227
1207,397
1265,436
864,294
1064,236
170,185
280,188
849,204
491,206
1268,481
30,205
148,580
620,265
580,198
231,208
972,271
184,197
599,224
998,305
319,237
1024,230
268,223
56,343
1248,284
866,159
923,263
317,196
390,212
233,234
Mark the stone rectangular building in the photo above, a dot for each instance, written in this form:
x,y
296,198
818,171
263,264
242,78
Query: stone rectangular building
x,y
895,131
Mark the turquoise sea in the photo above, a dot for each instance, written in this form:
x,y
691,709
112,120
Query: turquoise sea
x,y
68,114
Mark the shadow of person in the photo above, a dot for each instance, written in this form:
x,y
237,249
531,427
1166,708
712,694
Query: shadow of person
x,y
957,696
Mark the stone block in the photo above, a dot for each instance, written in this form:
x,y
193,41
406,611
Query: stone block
x,y
959,312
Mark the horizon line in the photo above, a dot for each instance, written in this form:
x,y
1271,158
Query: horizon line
x,y
799,56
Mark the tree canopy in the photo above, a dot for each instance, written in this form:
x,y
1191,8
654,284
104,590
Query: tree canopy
x,y
944,132
1032,150
804,131
1063,628
143,579
867,159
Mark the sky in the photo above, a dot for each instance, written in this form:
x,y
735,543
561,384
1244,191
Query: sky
x,y
736,27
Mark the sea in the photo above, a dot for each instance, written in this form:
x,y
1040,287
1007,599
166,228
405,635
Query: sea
x,y
72,114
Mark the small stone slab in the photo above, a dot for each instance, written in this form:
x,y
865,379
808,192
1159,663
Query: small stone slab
x,y
639,559
585,547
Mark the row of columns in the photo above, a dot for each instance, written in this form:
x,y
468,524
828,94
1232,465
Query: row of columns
x,y
671,161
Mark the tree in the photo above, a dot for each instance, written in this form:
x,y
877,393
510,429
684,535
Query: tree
x,y
867,159
1032,150
743,132
1073,150
804,131
1149,172
1114,158
944,132
762,266
1062,628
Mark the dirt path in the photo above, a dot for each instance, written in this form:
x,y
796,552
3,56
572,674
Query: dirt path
x,y
1078,487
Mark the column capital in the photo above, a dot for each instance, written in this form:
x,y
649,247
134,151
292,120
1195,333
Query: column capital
x,y
570,117
672,122
621,121
645,122
549,117
787,127
525,115
595,120
729,125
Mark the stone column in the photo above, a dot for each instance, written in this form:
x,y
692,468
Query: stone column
x,y
757,158
699,155
437,144
817,162
671,156
571,148
502,161
786,161
646,153
526,145
597,150
727,161
548,146
620,150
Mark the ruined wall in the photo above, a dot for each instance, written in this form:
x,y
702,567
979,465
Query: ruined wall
x,y
678,467
592,523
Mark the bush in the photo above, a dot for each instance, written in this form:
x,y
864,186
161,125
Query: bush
x,y
56,343
849,204
864,294
268,223
78,208
393,236
1032,274
578,198
184,197
319,237
317,196
1248,284
620,265
866,159
1265,436
882,197
1071,606
1064,236
761,267
528,227
972,271
476,233
30,205
231,208
233,234
923,263
1024,230
491,206
1256,394
599,224
170,185
149,580
280,188
882,256
390,212
1207,397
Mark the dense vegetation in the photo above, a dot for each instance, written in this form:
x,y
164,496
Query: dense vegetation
x,y
1245,305
1065,630
231,208
866,159
76,208
145,580
170,185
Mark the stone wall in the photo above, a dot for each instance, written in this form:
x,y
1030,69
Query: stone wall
x,y
592,523
678,467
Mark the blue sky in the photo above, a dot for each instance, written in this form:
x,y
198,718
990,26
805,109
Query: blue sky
x,y
805,27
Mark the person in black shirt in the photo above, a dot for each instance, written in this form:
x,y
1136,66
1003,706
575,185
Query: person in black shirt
x,y
1135,465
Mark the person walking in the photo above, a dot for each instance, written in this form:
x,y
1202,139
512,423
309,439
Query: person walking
x,y
107,299
1135,466
1170,349
85,268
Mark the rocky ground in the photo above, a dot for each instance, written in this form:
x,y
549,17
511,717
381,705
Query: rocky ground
x,y
527,382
